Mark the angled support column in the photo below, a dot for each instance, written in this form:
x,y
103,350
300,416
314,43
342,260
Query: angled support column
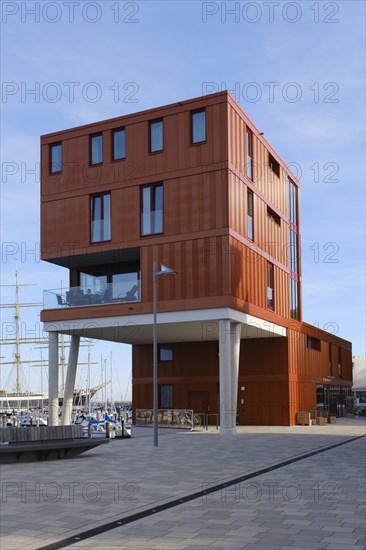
x,y
70,381
227,410
53,378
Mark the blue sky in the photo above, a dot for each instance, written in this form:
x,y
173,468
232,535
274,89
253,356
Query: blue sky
x,y
297,69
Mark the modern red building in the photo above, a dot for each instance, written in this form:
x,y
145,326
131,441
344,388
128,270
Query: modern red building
x,y
195,186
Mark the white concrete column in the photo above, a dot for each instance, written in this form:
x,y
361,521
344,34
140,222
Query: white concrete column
x,y
235,353
226,405
53,378
70,381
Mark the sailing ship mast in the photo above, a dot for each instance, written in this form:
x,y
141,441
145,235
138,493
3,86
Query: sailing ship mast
x,y
18,340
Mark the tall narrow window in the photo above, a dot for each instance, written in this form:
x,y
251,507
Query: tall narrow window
x,y
294,298
198,126
152,209
330,359
96,149
119,144
340,362
250,216
166,396
101,217
156,136
249,153
270,286
292,202
55,158
292,255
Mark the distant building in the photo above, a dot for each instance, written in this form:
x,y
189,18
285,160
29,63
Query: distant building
x,y
197,187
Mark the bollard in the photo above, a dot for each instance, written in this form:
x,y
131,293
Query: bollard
x,y
90,430
5,421
123,428
107,430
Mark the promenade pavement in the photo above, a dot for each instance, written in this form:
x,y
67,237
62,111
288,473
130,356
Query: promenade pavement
x,y
314,503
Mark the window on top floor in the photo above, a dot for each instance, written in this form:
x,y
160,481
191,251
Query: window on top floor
x,y
250,214
156,136
292,202
152,209
274,165
270,286
313,343
96,149
101,217
198,124
119,144
249,153
55,158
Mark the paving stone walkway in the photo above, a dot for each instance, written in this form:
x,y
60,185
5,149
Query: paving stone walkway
x,y
316,503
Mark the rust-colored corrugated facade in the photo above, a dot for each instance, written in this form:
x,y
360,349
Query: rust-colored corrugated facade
x,y
206,238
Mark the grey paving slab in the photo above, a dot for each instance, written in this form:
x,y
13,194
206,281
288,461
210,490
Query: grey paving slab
x,y
63,498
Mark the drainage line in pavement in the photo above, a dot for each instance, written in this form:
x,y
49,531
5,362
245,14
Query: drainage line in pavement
x,y
199,494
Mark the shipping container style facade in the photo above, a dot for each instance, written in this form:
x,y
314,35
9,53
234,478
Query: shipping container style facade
x,y
194,186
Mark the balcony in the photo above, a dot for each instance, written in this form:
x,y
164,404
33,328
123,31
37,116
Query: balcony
x,y
124,291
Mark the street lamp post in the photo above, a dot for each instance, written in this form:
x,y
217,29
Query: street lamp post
x,y
164,270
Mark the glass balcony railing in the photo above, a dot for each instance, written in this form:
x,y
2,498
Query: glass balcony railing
x,y
126,290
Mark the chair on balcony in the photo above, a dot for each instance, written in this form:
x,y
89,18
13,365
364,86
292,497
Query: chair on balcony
x,y
60,301
129,296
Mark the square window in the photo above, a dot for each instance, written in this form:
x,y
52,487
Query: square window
x,y
56,158
119,144
166,352
199,126
156,136
96,149
313,343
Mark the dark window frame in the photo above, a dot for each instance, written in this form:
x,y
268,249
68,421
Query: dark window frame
x,y
271,285
151,122
272,215
166,347
152,187
56,144
92,198
274,165
195,112
313,343
113,132
91,137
